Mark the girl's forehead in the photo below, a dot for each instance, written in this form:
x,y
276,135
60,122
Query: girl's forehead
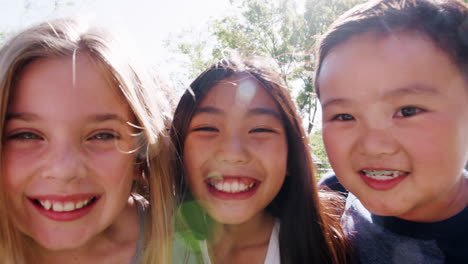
x,y
74,83
238,91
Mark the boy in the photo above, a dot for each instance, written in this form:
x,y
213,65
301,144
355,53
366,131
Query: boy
x,y
392,79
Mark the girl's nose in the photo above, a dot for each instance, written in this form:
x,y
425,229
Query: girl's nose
x,y
232,150
64,162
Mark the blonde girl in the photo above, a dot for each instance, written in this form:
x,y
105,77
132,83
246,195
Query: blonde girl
x,y
82,145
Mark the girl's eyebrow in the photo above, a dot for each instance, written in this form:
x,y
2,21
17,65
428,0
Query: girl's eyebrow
x,y
21,116
264,111
107,117
28,117
252,112
208,110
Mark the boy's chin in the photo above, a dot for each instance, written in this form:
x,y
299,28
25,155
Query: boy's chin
x,y
385,208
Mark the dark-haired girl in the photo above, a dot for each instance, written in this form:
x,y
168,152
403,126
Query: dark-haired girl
x,y
245,177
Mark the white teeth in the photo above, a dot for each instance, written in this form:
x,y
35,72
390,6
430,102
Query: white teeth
x,y
64,207
382,175
79,205
231,186
226,187
57,207
46,204
69,206
235,187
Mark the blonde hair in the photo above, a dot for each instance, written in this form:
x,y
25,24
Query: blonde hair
x,y
145,96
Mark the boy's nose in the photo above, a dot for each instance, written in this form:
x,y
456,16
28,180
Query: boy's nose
x,y
63,163
377,142
232,150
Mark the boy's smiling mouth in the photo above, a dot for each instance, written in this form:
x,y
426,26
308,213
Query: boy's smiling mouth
x,y
382,179
383,175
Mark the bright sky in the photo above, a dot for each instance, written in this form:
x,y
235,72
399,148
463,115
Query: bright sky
x,y
147,22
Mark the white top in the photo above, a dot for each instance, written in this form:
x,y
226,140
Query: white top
x,y
272,256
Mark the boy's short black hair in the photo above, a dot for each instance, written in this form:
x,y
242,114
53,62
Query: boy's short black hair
x,y
445,22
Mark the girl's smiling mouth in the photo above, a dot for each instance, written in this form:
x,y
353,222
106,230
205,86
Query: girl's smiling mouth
x,y
64,208
232,187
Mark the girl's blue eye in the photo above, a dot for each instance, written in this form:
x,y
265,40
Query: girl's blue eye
x,y
343,117
104,136
408,111
24,136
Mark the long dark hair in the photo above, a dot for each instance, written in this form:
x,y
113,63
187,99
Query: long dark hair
x,y
310,230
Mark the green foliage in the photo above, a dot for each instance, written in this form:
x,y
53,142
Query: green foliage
x,y
320,155
275,29
321,13
195,52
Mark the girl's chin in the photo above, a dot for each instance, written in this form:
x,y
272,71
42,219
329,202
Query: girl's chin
x,y
58,242
228,218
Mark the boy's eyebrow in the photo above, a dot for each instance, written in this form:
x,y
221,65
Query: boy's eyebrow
x,y
414,89
335,101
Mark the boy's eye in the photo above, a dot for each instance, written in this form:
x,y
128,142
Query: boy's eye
x,y
261,130
24,136
343,117
104,136
408,111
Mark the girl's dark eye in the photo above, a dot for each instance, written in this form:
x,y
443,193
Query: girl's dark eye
x,y
343,117
408,111
24,136
104,136
261,130
206,128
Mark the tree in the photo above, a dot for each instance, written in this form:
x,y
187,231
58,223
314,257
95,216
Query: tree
x,y
319,154
275,29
